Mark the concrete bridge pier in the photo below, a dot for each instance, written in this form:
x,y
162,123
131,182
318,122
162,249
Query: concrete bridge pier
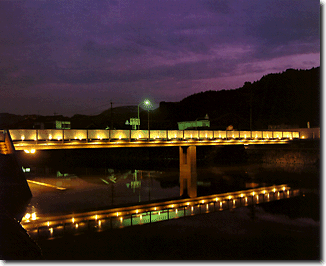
x,y
188,171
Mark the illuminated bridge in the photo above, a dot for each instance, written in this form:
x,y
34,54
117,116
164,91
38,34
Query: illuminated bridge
x,y
31,140
47,139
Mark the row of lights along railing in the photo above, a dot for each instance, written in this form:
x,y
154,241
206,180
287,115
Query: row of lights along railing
x,y
125,135
136,215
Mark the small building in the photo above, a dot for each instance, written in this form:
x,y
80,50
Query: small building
x,y
48,123
193,124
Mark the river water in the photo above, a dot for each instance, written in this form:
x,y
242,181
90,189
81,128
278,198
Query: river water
x,y
82,189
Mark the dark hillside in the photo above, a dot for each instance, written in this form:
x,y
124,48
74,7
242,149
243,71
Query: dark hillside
x,y
291,98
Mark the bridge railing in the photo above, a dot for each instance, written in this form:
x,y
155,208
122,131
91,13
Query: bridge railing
x,y
132,135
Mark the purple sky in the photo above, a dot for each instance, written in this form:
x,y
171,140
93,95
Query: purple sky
x,y
76,56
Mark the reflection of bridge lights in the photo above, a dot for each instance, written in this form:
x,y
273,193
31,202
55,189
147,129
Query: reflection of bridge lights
x,y
192,208
207,206
76,225
140,217
27,216
176,211
221,204
121,219
159,213
99,223
51,230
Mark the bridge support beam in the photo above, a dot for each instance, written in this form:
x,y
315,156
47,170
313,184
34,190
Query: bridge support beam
x,y
188,171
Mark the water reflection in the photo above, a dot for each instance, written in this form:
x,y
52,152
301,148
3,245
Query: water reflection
x,y
59,225
98,188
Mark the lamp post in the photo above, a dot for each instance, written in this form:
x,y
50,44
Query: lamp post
x,y
147,103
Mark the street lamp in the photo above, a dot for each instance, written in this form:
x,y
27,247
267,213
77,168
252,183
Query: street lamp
x,y
147,103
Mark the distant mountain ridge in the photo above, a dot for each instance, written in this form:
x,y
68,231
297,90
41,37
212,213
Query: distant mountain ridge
x,y
288,98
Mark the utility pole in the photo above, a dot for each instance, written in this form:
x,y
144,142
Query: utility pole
x,y
111,127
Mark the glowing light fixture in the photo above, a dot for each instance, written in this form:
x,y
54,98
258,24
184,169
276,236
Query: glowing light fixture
x,y
50,137
33,216
22,137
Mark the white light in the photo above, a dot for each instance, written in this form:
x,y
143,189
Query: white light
x,y
32,150
26,151
22,137
50,137
33,216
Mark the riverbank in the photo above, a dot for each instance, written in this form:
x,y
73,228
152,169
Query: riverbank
x,y
241,234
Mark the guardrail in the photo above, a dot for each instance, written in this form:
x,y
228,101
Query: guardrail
x,y
100,134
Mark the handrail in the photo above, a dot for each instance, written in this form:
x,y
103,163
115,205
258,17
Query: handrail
x,y
107,135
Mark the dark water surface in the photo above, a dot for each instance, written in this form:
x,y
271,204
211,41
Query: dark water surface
x,y
287,229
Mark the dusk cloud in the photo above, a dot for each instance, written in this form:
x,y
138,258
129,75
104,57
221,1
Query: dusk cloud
x,y
84,53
